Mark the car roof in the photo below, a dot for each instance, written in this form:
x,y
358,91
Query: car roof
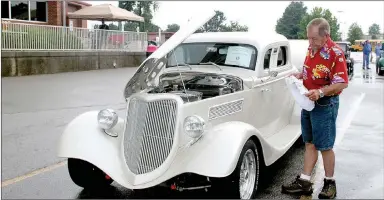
x,y
258,39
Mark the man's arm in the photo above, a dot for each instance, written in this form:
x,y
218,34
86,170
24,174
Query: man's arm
x,y
334,88
338,76
328,91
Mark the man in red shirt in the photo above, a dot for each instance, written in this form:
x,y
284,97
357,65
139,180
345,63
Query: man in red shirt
x,y
325,76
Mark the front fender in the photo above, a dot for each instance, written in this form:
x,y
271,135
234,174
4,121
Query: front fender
x,y
216,153
83,139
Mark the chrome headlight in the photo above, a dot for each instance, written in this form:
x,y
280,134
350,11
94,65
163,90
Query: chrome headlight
x,y
194,126
107,119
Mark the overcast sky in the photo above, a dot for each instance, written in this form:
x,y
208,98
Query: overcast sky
x,y
264,14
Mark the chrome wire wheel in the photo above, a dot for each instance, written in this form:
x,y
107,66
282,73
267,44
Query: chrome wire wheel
x,y
247,175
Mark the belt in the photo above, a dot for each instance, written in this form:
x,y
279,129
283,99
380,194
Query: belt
x,y
329,97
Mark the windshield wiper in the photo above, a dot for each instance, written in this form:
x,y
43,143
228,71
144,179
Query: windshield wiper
x,y
211,63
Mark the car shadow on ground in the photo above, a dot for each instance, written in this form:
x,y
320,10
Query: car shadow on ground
x,y
270,182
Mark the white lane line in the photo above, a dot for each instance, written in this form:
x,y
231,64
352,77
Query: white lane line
x,y
348,119
34,173
317,179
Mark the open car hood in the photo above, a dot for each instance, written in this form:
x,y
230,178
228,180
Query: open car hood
x,y
150,68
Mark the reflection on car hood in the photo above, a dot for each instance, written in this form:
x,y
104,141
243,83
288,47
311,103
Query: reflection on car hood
x,y
150,68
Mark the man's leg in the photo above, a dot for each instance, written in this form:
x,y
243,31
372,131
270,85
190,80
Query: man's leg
x,y
364,59
329,162
310,158
302,183
324,140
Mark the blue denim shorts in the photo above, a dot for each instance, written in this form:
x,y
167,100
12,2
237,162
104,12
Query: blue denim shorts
x,y
319,125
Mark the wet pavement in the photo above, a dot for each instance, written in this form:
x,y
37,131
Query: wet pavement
x,y
33,119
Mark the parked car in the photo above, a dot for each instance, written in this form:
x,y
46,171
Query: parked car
x,y
346,47
380,64
204,111
152,47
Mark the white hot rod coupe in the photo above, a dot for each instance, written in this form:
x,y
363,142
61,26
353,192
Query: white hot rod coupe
x,y
209,105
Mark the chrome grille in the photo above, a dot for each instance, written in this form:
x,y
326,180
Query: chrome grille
x,y
149,133
225,109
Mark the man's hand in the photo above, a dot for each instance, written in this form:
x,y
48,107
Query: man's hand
x,y
334,88
298,75
313,95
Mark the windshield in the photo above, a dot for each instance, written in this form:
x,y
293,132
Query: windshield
x,y
225,54
343,46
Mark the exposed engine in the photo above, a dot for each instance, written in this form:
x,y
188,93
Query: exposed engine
x,y
198,85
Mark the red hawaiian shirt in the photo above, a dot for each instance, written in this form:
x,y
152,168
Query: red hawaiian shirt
x,y
324,67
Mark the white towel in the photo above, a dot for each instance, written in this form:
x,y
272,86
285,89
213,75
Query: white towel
x,y
298,92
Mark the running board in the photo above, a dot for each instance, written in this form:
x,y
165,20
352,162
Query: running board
x,y
285,137
278,144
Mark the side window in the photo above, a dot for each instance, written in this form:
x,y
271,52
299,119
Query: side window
x,y
282,57
267,58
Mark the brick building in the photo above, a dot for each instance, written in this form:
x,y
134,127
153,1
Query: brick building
x,y
42,12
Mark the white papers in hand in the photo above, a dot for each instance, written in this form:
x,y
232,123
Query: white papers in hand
x,y
298,92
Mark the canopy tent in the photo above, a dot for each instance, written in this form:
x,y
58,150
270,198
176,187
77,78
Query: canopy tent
x,y
105,12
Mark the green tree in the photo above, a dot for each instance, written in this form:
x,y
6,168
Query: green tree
x,y
354,33
214,24
289,24
127,5
318,12
217,24
144,9
374,30
113,26
234,27
172,28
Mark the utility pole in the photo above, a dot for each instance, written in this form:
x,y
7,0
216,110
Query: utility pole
x,y
64,13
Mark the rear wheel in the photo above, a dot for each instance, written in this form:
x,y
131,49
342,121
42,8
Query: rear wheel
x,y
243,182
86,175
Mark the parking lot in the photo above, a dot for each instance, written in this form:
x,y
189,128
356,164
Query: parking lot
x,y
35,110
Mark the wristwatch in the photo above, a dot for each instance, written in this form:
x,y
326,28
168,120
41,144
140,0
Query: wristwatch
x,y
321,93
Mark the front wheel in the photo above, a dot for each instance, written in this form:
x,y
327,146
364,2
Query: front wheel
x,y
86,175
243,182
